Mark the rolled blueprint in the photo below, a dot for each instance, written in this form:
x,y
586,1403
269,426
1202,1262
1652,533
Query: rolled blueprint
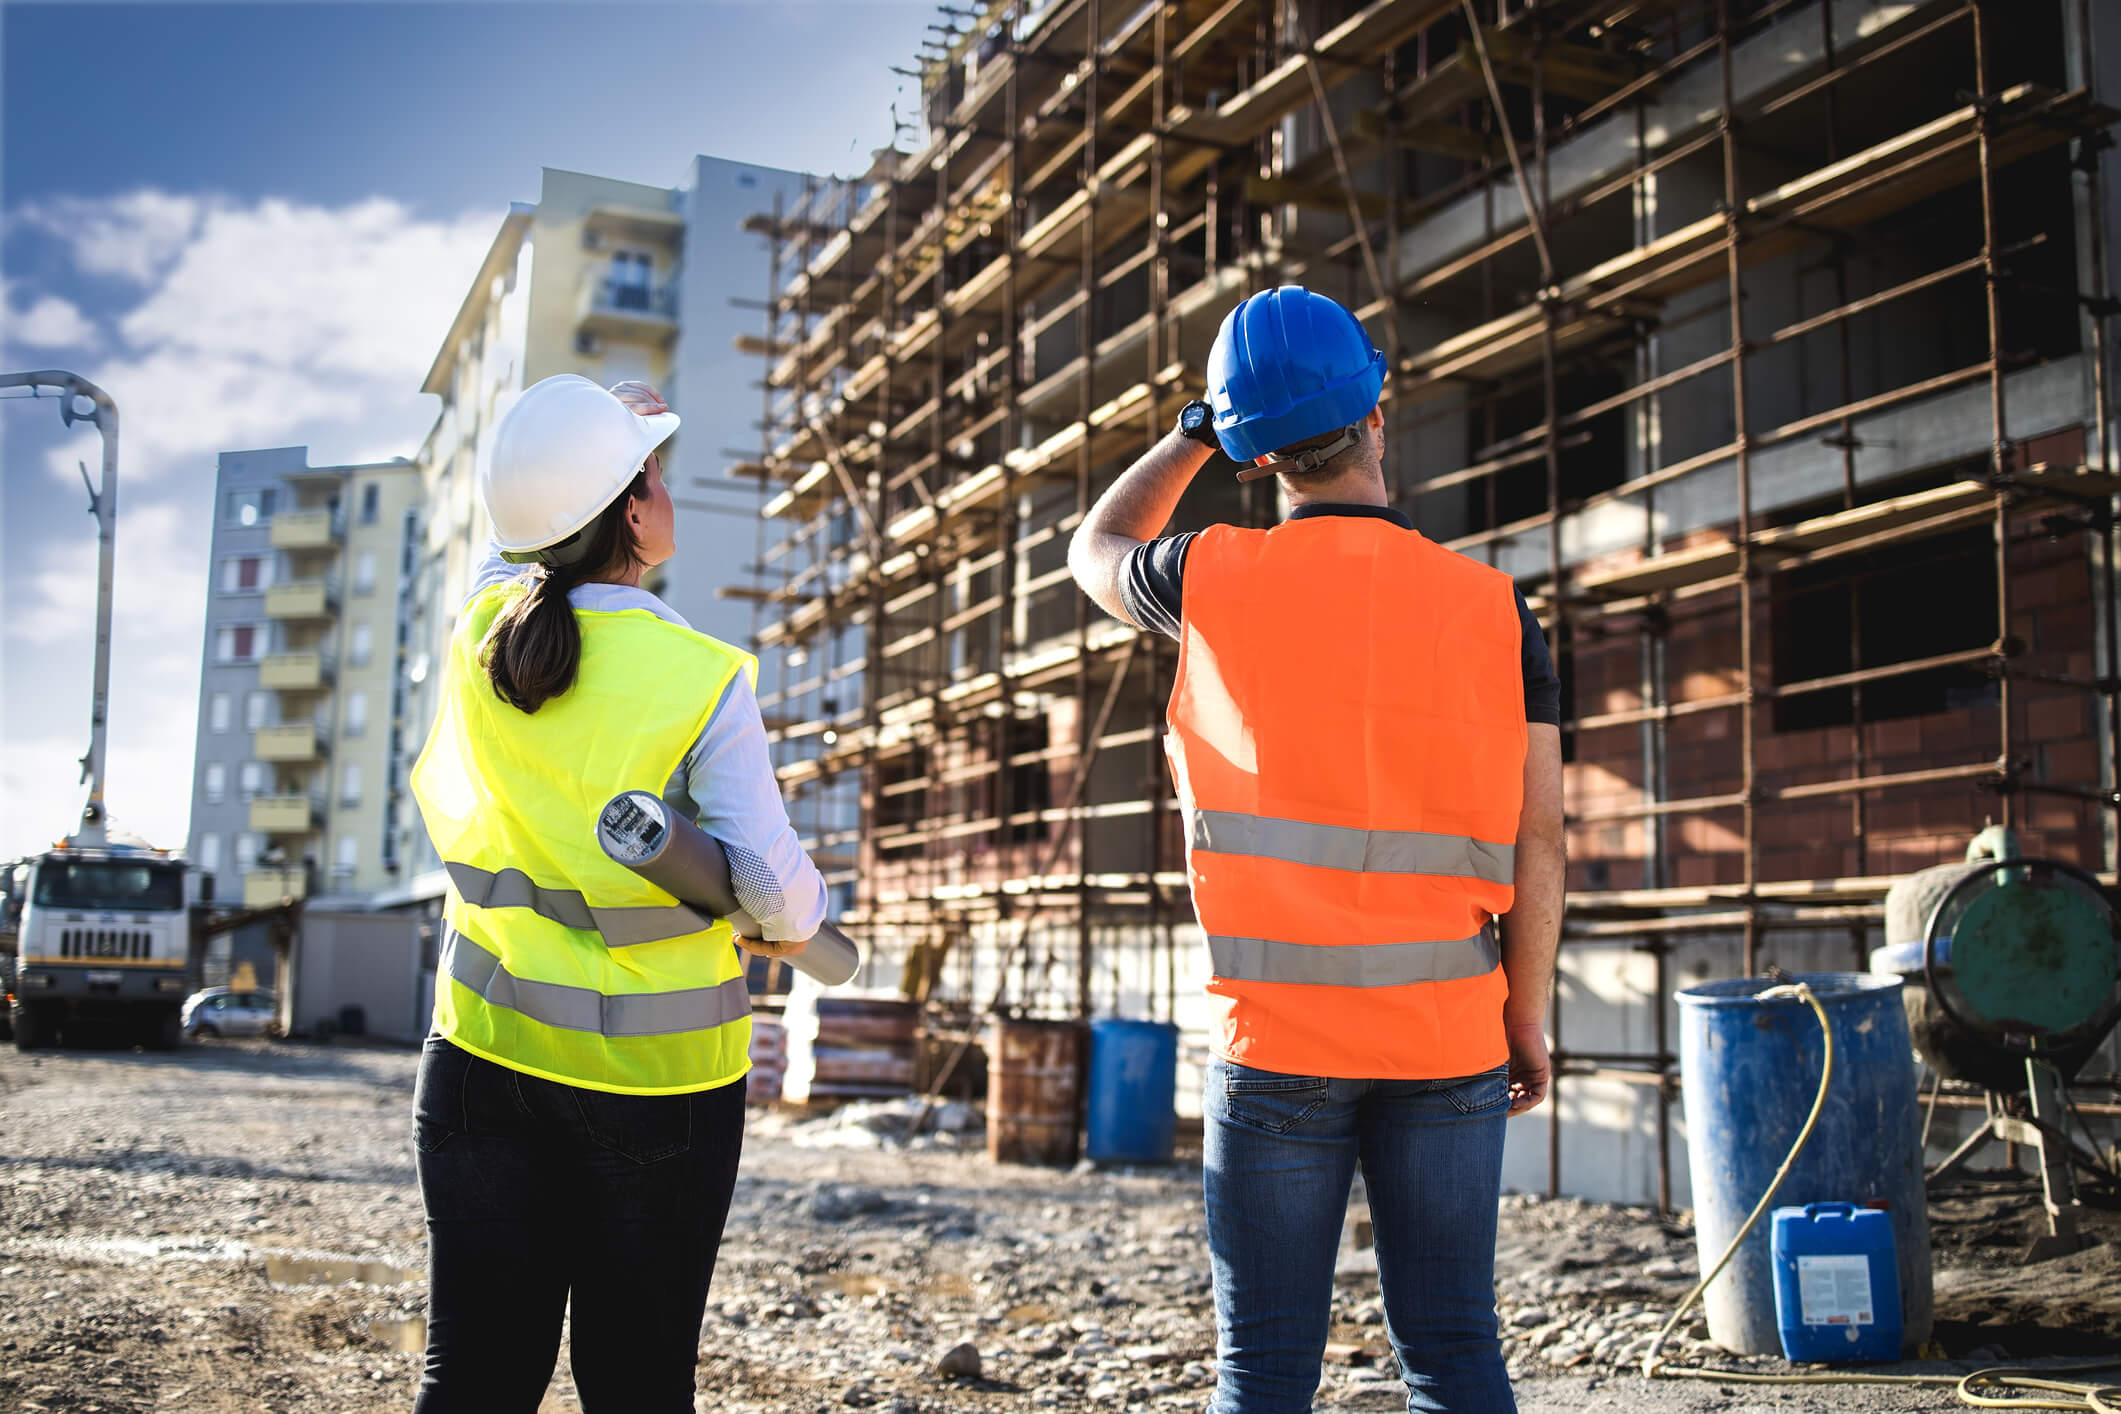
x,y
639,831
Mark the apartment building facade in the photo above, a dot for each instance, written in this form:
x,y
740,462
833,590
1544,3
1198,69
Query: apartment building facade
x,y
295,776
612,280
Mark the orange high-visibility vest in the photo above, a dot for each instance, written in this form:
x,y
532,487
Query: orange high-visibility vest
x,y
1347,736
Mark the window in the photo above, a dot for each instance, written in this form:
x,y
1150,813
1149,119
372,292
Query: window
x,y
1904,603
257,710
245,574
238,643
364,575
1592,459
246,851
371,499
251,507
250,778
110,884
214,782
356,713
350,784
631,273
217,712
349,856
209,853
363,646
322,716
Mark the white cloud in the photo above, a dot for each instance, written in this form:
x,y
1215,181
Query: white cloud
x,y
51,323
264,324
362,290
131,236
158,584
147,774
273,317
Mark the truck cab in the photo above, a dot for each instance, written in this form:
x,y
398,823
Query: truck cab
x,y
102,934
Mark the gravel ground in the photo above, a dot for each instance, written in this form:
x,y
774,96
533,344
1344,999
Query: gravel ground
x,y
235,1227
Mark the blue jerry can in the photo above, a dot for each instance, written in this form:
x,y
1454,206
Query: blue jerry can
x,y
1837,1286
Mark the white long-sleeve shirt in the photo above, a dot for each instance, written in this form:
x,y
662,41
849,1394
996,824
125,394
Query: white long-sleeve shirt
x,y
726,781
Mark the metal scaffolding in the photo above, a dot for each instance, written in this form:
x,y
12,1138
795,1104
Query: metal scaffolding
x,y
1585,232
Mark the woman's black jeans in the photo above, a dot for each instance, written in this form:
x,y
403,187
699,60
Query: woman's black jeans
x,y
539,1194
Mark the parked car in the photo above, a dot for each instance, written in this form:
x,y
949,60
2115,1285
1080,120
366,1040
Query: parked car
x,y
217,1011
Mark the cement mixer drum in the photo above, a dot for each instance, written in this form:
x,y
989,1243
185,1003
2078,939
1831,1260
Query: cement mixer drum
x,y
2003,958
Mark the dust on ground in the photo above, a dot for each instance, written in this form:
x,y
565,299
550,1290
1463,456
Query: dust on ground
x,y
235,1227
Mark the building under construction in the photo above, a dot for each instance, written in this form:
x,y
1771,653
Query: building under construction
x,y
1764,342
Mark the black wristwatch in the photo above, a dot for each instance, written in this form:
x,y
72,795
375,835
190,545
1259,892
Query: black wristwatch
x,y
1196,420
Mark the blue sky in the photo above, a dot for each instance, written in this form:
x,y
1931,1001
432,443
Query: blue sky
x,y
252,223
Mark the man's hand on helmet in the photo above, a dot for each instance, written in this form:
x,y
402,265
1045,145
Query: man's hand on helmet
x,y
640,397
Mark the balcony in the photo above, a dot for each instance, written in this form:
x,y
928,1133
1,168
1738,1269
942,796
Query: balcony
x,y
264,887
613,310
633,224
307,530
302,599
295,672
283,814
296,743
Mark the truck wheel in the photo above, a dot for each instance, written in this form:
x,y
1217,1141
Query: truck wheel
x,y
169,1035
32,1030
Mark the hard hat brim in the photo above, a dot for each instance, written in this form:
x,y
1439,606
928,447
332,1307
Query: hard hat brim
x,y
655,429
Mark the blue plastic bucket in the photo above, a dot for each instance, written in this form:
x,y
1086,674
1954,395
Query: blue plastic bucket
x,y
1133,1091
1750,1069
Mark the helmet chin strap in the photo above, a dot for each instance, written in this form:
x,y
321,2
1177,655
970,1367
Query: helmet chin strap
x,y
567,552
1311,460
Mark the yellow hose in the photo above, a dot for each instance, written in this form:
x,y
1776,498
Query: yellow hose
x,y
2098,1399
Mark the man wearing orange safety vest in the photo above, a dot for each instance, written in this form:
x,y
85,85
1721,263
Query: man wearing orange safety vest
x,y
1364,738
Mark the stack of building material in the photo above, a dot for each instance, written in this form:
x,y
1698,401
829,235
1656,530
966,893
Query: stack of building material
x,y
846,1046
769,1059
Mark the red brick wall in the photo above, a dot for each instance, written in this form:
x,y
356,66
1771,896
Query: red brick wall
x,y
1904,829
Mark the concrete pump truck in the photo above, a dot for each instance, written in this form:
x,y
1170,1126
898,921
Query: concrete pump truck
x,y
100,922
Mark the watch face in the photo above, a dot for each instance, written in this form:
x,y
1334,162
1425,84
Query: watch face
x,y
1194,416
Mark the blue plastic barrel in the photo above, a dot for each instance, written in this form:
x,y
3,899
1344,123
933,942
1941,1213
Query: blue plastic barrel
x,y
1837,1283
1750,1069
1133,1091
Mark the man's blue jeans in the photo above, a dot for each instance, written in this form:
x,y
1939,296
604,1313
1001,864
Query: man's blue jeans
x,y
1281,1152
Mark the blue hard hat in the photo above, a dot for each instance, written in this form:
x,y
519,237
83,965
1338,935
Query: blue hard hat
x,y
1289,365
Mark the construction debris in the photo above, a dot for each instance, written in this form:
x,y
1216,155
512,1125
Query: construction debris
x,y
236,1228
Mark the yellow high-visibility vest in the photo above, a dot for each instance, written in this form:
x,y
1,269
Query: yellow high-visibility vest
x,y
558,961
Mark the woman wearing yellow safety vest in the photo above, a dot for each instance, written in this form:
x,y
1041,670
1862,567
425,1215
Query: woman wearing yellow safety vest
x,y
580,1105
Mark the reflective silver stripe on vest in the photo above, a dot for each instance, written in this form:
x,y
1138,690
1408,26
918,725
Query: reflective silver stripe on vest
x,y
621,927
1360,851
585,1008
1354,964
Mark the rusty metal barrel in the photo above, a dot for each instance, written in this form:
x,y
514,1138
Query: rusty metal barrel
x,y
1034,1081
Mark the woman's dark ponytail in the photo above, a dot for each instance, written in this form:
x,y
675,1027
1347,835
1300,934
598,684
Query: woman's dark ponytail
x,y
534,647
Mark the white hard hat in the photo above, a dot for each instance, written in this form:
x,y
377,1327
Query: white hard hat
x,y
560,456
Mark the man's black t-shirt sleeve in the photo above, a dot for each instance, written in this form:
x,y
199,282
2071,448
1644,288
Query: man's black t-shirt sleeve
x,y
1152,591
1542,685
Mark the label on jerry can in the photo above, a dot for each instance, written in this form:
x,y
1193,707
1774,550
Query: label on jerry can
x,y
1835,1291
